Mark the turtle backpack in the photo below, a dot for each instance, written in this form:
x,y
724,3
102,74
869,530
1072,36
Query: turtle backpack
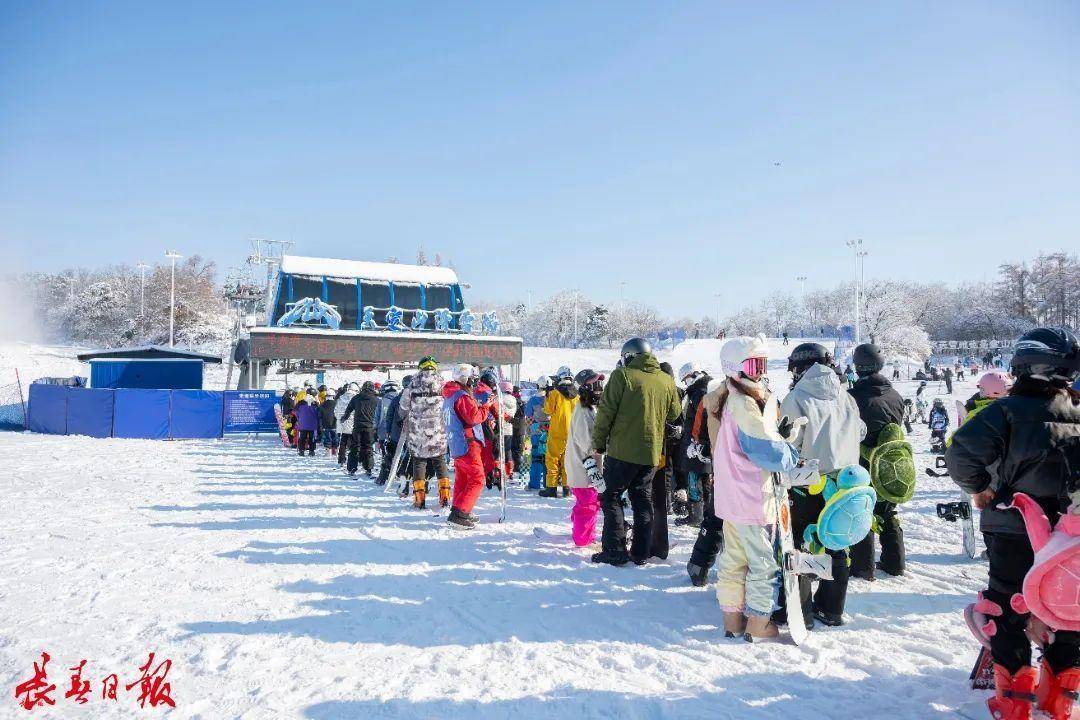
x,y
848,512
892,465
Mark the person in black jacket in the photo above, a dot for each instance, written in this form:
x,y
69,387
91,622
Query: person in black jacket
x,y
1027,442
692,469
879,405
663,477
362,408
328,424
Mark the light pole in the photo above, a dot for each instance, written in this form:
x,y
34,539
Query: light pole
x,y
802,285
856,248
575,318
718,296
142,291
622,293
174,256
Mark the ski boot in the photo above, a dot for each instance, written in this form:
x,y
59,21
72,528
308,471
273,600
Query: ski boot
x,y
1014,695
548,492
460,520
1057,695
444,492
699,576
419,489
565,491
618,558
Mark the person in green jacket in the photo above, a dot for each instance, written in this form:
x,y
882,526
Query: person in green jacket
x,y
637,401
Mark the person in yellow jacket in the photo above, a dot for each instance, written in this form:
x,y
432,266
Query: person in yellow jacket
x,y
559,406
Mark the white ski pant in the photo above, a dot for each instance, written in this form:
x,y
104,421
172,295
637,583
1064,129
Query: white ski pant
x,y
748,576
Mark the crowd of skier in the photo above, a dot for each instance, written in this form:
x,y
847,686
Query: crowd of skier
x,y
826,468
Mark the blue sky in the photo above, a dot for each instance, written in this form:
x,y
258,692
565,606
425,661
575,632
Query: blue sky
x,y
547,145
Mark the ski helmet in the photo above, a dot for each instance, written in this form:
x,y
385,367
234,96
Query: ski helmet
x,y
737,350
543,382
995,384
464,373
368,386
868,359
564,372
389,388
490,378
690,373
406,381
592,385
805,355
939,403
427,363
1047,352
634,347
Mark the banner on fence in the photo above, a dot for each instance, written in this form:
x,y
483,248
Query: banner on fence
x,y
250,411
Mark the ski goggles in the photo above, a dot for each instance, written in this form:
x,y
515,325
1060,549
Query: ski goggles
x,y
755,367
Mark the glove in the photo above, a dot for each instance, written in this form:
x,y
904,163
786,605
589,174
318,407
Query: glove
x,y
695,451
681,496
676,432
804,475
592,472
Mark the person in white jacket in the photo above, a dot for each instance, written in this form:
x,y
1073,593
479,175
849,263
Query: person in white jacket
x,y
583,475
344,427
831,436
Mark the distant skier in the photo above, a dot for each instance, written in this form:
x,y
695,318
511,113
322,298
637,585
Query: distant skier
x,y
361,410
520,428
307,425
785,337
388,431
879,405
948,376
695,469
938,423
1027,442
538,433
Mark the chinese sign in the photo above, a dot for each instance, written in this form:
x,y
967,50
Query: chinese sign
x,y
250,411
397,348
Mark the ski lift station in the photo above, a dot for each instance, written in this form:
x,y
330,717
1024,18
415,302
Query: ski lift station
x,y
326,313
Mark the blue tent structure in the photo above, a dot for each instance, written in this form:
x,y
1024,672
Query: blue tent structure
x,y
150,367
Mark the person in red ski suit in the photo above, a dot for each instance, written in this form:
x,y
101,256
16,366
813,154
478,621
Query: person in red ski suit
x,y
465,438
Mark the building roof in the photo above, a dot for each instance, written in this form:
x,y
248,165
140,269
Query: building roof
x,y
147,352
383,272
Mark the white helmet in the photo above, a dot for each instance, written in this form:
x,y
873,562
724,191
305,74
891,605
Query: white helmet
x,y
564,372
463,373
543,382
737,349
687,370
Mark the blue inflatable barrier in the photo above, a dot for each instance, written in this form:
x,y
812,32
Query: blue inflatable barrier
x,y
48,408
90,412
195,414
141,414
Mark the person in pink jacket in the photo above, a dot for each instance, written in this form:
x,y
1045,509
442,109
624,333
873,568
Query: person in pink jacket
x,y
747,451
583,475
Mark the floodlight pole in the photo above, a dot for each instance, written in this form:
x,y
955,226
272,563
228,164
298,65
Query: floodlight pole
x,y
856,247
142,291
174,256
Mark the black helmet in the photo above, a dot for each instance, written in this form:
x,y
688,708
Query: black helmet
x,y
587,376
805,355
634,347
1048,352
490,378
868,359
388,388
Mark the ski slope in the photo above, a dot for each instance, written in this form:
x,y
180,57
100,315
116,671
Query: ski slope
x,y
280,588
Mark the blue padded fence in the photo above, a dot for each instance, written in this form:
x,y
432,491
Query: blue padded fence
x,y
149,414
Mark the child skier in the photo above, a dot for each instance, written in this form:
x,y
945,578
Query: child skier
x,y
538,433
748,450
559,406
582,473
831,436
1027,442
939,426
307,424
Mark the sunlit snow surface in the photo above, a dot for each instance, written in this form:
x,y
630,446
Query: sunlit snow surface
x,y
281,588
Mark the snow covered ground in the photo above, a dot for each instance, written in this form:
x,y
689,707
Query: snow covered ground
x,y
280,588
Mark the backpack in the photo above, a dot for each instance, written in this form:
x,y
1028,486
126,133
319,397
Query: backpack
x,y
848,512
892,465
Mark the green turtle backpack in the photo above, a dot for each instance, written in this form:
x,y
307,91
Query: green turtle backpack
x,y
892,465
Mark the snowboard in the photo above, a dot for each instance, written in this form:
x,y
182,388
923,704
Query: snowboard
x,y
392,479
787,556
967,523
281,426
561,538
501,447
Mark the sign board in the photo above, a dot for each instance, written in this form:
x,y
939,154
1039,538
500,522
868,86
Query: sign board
x,y
250,411
382,347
